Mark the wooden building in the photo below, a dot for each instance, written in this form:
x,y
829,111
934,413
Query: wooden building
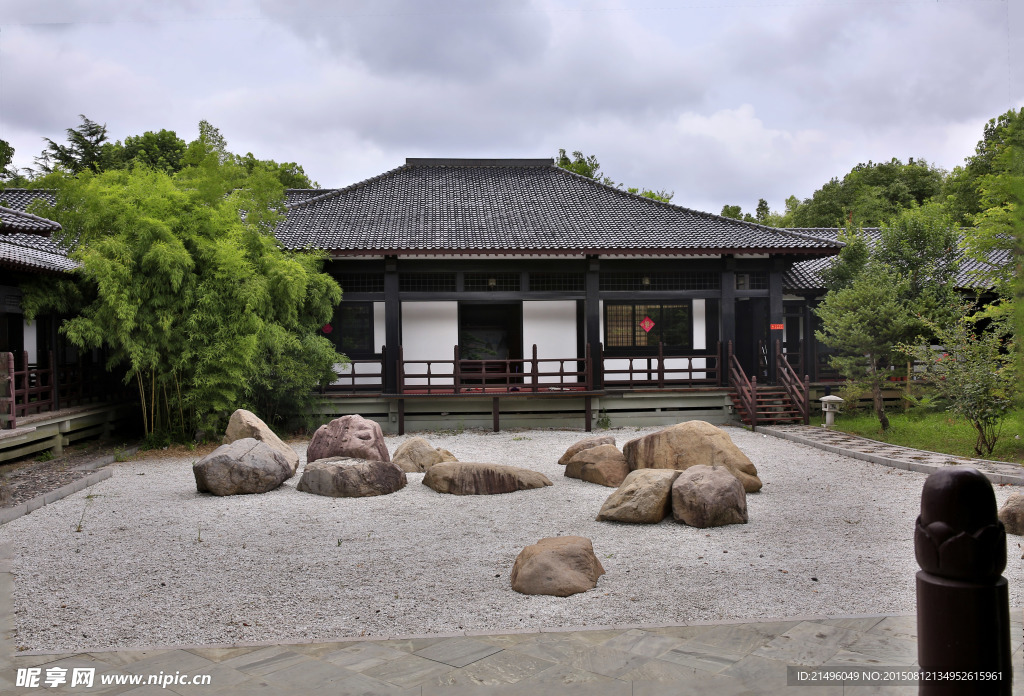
x,y
514,289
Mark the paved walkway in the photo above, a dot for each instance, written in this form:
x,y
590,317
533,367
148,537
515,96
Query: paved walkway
x,y
722,659
892,455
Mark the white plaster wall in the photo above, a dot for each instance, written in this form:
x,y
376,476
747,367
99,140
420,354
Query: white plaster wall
x,y
430,331
31,342
552,327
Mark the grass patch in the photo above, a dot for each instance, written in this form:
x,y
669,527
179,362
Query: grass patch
x,y
938,432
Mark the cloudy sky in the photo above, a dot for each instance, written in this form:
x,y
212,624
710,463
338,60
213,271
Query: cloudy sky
x,y
719,102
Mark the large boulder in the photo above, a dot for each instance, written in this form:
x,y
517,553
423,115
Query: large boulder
x,y
348,436
245,424
344,477
476,478
1012,514
241,467
693,443
585,444
558,566
644,497
416,455
603,465
708,496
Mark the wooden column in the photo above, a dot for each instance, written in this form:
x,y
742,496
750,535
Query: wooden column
x,y
727,313
593,318
392,326
776,316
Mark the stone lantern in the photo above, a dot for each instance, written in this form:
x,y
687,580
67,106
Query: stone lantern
x,y
830,406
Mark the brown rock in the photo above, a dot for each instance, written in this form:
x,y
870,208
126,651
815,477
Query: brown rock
x,y
348,436
241,467
708,496
416,455
583,445
1012,514
603,465
446,456
558,566
245,424
345,477
689,444
644,497
475,478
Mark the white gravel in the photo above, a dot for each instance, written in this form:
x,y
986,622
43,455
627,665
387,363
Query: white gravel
x,y
828,535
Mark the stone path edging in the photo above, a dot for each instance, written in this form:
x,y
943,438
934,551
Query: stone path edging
x,y
894,456
101,474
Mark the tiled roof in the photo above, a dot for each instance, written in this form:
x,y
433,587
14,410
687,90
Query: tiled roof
x,y
17,221
806,275
25,242
430,206
19,198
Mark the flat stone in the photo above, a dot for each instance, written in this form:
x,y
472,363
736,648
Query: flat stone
x,y
478,478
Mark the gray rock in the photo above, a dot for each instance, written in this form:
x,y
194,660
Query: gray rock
x,y
708,496
478,478
690,444
558,566
417,455
345,477
1012,514
603,465
348,436
643,498
241,467
245,424
578,447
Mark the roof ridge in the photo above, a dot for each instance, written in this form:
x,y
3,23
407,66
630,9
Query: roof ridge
x,y
53,225
479,161
333,193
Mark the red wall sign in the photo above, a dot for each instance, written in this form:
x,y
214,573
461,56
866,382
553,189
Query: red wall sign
x,y
778,327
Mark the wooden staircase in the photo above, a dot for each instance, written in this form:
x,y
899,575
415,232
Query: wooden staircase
x,y
786,402
773,406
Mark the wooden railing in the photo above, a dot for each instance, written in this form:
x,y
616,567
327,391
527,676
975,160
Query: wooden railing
x,y
798,390
460,376
746,389
663,371
360,375
28,389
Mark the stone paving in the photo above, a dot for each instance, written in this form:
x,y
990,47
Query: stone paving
x,y
891,455
724,659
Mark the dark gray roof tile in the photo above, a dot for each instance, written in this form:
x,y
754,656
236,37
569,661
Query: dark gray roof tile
x,y
515,207
806,275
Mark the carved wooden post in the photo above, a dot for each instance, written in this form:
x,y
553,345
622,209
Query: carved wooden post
x,y
963,607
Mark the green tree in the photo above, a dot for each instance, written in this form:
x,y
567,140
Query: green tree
x,y
87,149
763,211
588,166
736,212
869,194
6,156
853,258
973,374
963,188
865,321
163,151
184,284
